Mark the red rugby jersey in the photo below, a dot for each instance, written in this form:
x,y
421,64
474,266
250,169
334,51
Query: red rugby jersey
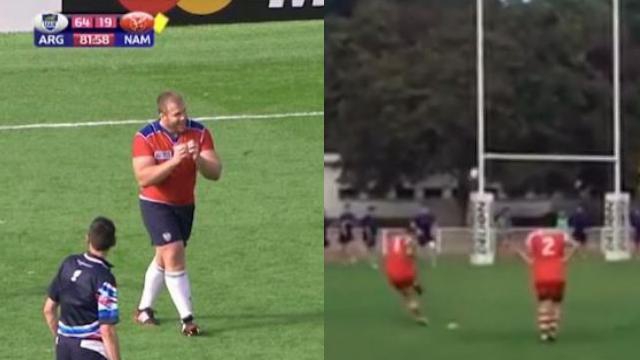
x,y
395,249
153,140
547,250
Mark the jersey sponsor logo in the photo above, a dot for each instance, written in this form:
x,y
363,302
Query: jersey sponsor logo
x,y
162,155
82,263
51,23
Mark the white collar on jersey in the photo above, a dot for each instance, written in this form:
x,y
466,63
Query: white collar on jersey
x,y
97,260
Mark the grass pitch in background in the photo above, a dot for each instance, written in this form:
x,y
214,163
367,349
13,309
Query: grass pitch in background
x,y
226,69
494,308
257,278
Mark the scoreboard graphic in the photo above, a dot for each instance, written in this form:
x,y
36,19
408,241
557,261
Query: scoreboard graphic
x,y
131,30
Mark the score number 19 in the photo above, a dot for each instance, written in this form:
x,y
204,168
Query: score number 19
x,y
105,21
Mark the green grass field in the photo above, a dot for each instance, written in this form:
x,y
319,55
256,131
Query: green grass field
x,y
256,274
493,307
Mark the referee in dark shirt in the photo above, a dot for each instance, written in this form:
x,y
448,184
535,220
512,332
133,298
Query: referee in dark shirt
x,y
85,291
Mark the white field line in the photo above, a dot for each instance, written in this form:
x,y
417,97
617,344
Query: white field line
x,y
126,122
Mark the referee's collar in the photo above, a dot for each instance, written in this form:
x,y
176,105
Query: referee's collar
x,y
97,259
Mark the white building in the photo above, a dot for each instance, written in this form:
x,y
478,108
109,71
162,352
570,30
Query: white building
x,y
402,202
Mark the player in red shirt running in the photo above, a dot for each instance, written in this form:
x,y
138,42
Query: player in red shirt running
x,y
398,250
547,252
167,156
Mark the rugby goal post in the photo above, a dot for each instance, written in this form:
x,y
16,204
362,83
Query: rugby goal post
x,y
616,232
483,250
615,239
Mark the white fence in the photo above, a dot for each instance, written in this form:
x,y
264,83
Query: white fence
x,y
458,240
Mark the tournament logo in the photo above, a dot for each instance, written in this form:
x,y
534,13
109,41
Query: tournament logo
x,y
51,23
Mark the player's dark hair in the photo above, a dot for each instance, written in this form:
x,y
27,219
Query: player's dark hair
x,y
102,234
167,96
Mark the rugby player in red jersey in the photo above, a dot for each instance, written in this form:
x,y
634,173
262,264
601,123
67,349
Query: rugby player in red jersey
x,y
398,250
547,252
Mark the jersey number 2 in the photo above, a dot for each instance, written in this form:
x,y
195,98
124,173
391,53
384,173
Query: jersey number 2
x,y
547,246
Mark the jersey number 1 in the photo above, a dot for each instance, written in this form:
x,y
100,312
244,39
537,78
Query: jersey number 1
x,y
75,276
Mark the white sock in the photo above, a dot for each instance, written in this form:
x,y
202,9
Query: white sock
x,y
153,281
180,290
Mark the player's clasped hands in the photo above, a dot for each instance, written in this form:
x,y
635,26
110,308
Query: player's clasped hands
x,y
180,152
193,149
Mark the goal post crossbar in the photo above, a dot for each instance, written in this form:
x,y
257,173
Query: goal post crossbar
x,y
549,157
483,155
616,202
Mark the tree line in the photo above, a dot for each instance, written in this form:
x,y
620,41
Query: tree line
x,y
400,90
